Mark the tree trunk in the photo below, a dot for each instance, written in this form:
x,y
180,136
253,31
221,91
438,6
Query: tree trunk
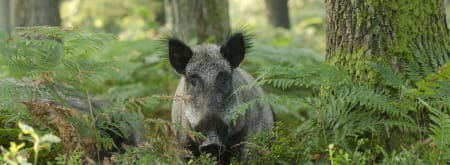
x,y
4,16
278,13
158,8
201,19
36,13
396,34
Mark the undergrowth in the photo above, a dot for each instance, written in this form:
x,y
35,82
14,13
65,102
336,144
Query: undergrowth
x,y
357,124
103,97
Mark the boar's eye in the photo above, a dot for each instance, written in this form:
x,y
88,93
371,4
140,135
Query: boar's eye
x,y
223,79
194,80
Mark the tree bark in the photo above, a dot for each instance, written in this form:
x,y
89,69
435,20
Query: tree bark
x,y
36,13
201,19
4,16
278,13
396,34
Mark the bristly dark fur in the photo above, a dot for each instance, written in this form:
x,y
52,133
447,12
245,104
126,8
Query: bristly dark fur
x,y
247,37
171,36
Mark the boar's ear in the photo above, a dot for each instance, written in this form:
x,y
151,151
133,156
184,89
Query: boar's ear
x,y
234,49
179,55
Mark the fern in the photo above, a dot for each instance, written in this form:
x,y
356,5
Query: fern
x,y
413,72
388,76
307,76
43,60
368,99
426,60
349,111
54,71
282,146
436,83
352,114
59,66
11,92
440,129
261,55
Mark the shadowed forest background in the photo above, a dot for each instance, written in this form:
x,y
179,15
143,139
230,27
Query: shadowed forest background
x,y
89,82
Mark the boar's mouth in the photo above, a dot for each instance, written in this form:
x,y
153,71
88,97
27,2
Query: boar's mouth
x,y
212,144
215,131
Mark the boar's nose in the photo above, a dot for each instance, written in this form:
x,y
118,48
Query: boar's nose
x,y
212,144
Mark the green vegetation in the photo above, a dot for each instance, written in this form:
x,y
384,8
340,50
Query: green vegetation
x,y
90,89
353,124
323,115
14,155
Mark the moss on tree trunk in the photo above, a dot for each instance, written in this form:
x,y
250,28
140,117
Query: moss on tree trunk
x,y
393,33
204,20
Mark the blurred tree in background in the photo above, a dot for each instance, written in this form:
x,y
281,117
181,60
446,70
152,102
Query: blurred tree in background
x,y
19,13
131,19
36,12
5,16
278,13
203,20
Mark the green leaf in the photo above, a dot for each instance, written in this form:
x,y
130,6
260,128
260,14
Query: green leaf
x,y
49,138
26,128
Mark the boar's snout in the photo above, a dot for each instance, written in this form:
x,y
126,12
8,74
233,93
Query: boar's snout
x,y
212,145
215,133
212,148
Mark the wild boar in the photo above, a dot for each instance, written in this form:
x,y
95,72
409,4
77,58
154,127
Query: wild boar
x,y
210,77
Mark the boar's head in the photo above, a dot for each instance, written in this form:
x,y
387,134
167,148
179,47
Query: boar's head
x,y
208,77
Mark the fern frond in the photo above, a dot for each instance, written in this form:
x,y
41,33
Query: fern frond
x,y
13,91
241,109
388,76
288,57
440,129
307,76
420,59
429,51
436,83
413,72
368,99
